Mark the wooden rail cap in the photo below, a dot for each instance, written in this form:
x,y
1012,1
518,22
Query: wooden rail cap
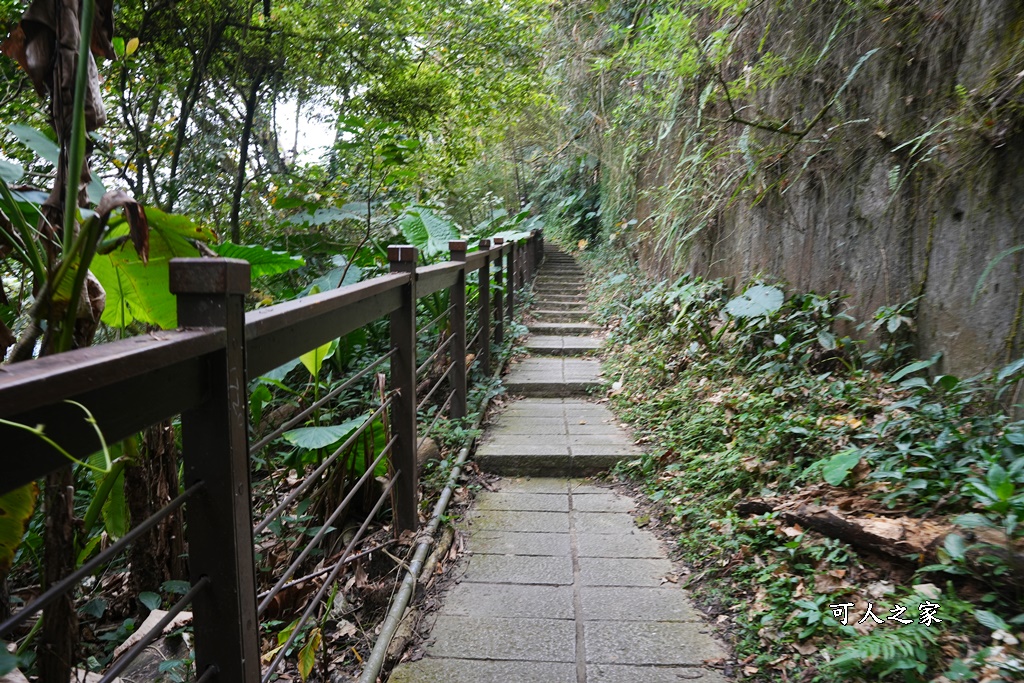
x,y
209,276
401,253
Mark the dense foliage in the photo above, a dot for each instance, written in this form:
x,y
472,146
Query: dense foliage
x,y
303,140
757,397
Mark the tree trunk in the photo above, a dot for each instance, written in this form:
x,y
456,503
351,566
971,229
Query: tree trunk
x,y
60,620
200,62
243,155
150,483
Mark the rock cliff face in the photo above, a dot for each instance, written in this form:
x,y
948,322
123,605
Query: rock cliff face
x,y
909,184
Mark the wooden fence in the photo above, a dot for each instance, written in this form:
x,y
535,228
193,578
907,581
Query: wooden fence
x,y
201,372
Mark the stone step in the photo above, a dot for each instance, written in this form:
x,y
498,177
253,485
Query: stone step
x,y
564,328
557,319
553,316
561,298
568,282
547,304
553,437
553,377
556,287
551,345
560,290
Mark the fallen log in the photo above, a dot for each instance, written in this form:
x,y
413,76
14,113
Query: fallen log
x,y
908,540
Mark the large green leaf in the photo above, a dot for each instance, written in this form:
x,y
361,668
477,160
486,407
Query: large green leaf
x,y
8,660
332,278
115,509
15,510
279,373
307,655
427,231
312,438
10,172
262,261
757,301
36,141
314,360
139,292
913,367
840,465
181,226
350,211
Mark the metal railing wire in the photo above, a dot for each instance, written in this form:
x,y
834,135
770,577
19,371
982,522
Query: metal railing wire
x,y
324,529
135,650
327,398
423,328
313,476
441,348
440,380
320,572
328,582
442,411
72,579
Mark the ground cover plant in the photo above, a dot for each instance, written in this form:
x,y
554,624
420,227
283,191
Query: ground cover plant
x,y
809,478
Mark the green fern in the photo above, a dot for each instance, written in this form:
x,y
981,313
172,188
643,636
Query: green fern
x,y
908,649
888,649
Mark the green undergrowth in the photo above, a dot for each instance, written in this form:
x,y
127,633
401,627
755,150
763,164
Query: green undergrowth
x,y
758,396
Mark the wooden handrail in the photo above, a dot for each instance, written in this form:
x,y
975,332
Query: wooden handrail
x,y
201,372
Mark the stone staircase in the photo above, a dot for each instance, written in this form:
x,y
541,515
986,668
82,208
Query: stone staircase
x,y
553,430
559,585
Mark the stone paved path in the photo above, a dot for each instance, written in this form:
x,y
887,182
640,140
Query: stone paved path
x,y
559,584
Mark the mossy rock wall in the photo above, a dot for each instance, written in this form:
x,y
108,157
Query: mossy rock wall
x,y
910,184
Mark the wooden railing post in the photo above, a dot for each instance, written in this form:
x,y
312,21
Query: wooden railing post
x,y
457,299
513,280
510,279
484,283
499,294
534,254
216,452
403,382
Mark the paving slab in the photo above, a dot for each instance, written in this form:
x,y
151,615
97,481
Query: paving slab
x,y
582,488
518,520
552,316
566,298
649,642
544,502
625,545
431,670
604,501
546,377
619,673
560,286
621,603
619,571
617,523
508,600
546,304
521,542
514,484
532,569
531,640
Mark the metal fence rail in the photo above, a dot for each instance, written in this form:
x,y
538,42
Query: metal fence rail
x,y
201,371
